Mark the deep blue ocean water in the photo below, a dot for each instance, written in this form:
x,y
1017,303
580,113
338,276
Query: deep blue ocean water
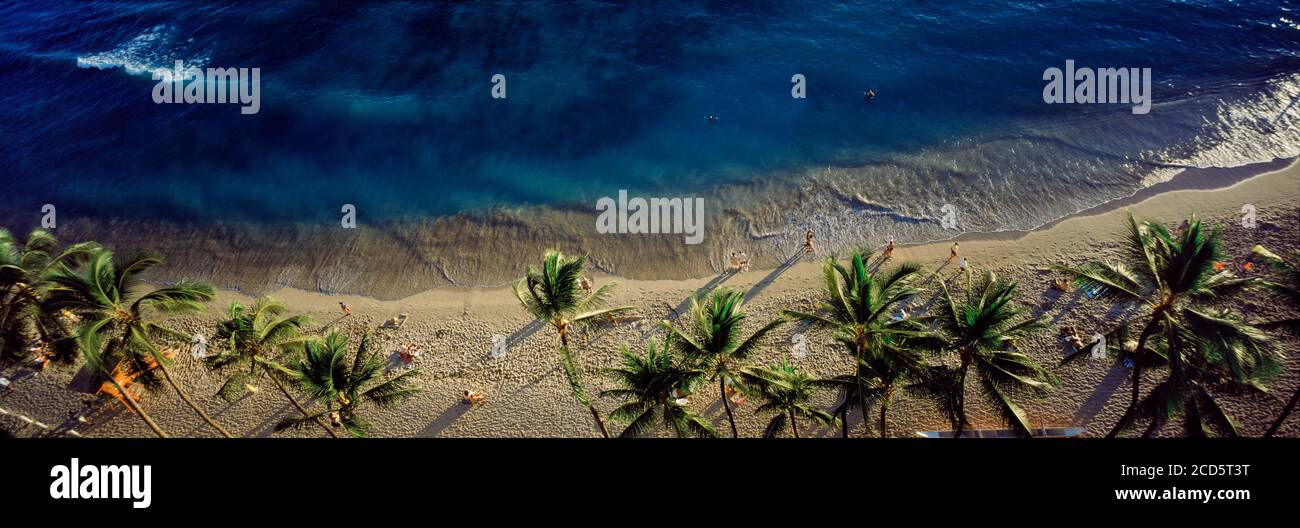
x,y
387,105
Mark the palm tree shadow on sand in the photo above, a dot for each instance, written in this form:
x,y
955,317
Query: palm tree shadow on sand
x,y
218,414
1097,400
267,427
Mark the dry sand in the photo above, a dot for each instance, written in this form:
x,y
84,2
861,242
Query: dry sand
x,y
528,396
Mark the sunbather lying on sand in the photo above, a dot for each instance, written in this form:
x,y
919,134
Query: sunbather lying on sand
x,y
396,322
1072,337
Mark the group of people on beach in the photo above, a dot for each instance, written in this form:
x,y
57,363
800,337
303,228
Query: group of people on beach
x,y
738,262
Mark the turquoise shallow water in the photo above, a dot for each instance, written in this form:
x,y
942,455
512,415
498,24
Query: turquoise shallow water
x,y
386,105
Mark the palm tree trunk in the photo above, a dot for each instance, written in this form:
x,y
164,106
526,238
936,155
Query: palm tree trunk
x,y
284,390
722,391
563,330
599,422
136,407
794,426
1290,406
1137,374
862,402
186,398
884,408
844,419
1151,429
4,298
961,399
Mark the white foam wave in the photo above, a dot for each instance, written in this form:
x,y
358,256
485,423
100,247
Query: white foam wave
x,y
152,53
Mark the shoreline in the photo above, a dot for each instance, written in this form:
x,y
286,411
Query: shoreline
x,y
1199,182
391,261
1192,179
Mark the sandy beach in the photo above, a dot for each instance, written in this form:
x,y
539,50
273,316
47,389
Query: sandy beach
x,y
527,395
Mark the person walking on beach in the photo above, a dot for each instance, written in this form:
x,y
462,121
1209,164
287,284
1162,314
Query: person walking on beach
x,y
346,310
808,242
964,265
952,253
889,249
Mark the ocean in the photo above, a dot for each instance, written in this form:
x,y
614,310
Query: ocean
x,y
388,106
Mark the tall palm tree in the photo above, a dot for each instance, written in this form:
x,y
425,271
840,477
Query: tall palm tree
x,y
92,351
858,310
1208,351
324,372
109,299
23,265
652,386
788,391
899,362
711,341
982,331
254,336
1287,286
1163,273
554,296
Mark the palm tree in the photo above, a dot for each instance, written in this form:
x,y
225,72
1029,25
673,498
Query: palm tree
x,y
253,337
23,266
652,387
982,331
1207,351
554,296
899,362
93,352
1164,273
786,390
324,373
1287,286
107,297
711,341
858,310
